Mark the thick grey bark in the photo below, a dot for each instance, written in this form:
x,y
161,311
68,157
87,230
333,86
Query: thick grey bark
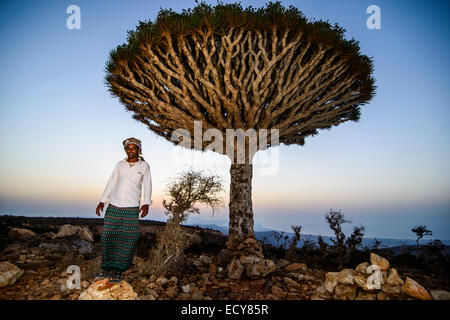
x,y
241,211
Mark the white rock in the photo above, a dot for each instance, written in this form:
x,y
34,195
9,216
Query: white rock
x,y
205,259
9,273
186,288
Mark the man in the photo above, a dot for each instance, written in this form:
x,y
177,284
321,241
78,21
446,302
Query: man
x,y
121,222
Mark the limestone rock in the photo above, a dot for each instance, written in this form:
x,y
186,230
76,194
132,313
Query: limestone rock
x,y
393,278
440,294
19,233
205,259
345,292
289,282
186,288
379,261
381,295
172,292
235,269
282,263
415,290
365,295
361,280
296,267
85,234
105,290
69,230
9,273
394,291
244,245
197,295
322,294
162,281
345,276
362,267
256,267
277,291
212,269
331,281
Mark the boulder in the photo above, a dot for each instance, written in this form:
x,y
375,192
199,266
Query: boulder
x,y
105,290
331,281
361,281
256,267
393,278
162,281
172,292
197,295
67,230
322,294
244,245
186,288
379,261
235,269
205,259
365,295
85,234
381,295
19,233
393,291
345,276
9,273
282,263
415,290
296,267
362,268
345,292
277,291
289,282
440,294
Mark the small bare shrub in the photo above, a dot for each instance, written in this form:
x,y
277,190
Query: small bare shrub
x,y
190,188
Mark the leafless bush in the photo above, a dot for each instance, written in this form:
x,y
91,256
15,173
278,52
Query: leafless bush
x,y
190,188
291,254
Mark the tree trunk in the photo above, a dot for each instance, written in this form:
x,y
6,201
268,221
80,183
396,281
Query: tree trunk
x,y
241,211
241,238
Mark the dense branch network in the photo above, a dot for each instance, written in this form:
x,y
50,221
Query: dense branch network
x,y
260,79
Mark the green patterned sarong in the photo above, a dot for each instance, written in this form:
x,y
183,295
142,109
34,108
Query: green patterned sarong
x,y
120,234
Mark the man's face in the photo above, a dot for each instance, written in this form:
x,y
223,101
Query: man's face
x,y
132,150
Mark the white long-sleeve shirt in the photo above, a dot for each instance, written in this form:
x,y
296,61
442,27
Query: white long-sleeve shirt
x,y
124,187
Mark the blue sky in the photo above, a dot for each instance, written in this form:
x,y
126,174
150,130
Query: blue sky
x,y
61,132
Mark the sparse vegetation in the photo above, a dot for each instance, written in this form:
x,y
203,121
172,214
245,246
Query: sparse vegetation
x,y
189,189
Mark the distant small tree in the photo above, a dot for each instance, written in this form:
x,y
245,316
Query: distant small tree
x,y
291,254
420,232
376,244
278,236
353,241
341,247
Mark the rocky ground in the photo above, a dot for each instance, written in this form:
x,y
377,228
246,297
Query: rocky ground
x,y
33,266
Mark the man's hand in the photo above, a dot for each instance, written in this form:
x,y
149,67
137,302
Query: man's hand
x,y
144,210
99,208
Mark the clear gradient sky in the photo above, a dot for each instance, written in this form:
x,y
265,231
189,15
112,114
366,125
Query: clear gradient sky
x,y
61,132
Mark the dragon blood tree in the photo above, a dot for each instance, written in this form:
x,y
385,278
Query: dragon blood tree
x,y
235,68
